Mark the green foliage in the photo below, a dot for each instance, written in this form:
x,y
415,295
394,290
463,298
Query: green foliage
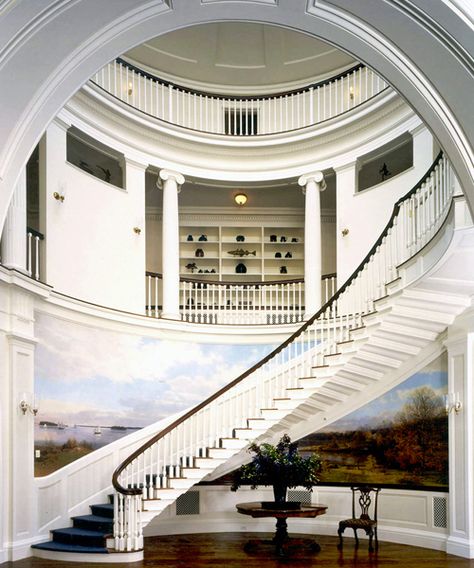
x,y
278,465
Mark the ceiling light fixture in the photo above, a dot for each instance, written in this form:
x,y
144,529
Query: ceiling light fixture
x,y
240,199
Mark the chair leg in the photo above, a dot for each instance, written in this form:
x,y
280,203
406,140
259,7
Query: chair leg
x,y
370,533
376,538
356,538
339,532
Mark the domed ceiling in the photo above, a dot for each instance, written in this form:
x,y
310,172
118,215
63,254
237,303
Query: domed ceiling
x,y
239,57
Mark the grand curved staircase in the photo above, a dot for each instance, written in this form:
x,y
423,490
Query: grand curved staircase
x,y
373,331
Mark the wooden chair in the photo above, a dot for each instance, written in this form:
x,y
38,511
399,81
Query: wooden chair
x,y
367,499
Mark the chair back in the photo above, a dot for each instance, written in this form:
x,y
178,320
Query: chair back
x,y
366,498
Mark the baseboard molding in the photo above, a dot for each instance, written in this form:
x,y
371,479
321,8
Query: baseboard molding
x,y
460,547
112,558
229,523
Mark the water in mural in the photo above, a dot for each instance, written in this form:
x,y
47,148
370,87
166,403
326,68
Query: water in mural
x,y
95,386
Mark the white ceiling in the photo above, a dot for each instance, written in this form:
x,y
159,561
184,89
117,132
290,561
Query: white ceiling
x,y
248,57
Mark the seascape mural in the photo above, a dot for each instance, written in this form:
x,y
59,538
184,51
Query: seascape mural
x,y
94,386
399,439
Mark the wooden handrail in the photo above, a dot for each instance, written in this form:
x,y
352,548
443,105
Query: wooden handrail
x,y
275,352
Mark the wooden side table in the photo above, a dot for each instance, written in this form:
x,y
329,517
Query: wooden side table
x,y
256,509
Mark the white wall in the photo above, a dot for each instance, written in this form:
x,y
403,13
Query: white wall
x,y
366,213
91,249
404,516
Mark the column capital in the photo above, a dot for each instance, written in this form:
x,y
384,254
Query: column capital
x,y
316,177
166,175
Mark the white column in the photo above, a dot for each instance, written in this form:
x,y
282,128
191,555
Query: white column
x,y
171,182
14,230
461,441
312,185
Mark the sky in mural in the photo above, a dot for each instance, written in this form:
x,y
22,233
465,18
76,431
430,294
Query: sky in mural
x,y
86,375
384,408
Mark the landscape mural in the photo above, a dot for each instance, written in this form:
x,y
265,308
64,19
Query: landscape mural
x,y
398,439
94,386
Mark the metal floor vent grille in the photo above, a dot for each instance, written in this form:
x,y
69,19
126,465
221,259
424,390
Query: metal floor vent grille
x,y
188,503
440,512
302,495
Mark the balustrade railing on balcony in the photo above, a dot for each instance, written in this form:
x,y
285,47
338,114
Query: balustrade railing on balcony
x,y
229,412
33,253
266,303
239,116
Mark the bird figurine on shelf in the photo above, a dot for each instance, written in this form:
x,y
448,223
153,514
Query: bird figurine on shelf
x,y
241,252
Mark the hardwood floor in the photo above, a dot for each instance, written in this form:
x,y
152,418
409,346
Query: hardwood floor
x,y
225,550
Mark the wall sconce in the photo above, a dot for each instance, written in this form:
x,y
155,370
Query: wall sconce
x,y
130,89
240,199
452,402
351,93
25,406
137,230
58,196
345,232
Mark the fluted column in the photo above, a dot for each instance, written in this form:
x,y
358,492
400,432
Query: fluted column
x,y
14,230
312,185
170,182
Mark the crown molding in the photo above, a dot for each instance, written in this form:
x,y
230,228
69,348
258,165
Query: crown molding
x,y
223,215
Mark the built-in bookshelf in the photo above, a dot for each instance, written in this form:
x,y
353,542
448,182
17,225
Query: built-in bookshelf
x,y
269,253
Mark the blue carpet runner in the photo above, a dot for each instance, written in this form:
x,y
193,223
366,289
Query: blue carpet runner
x,y
87,534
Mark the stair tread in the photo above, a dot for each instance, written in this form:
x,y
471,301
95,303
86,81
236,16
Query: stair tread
x,y
63,547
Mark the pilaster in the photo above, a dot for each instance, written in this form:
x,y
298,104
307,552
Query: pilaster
x,y
14,230
461,444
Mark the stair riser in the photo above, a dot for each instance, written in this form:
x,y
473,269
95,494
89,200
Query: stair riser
x,y
102,511
197,473
93,526
181,483
78,539
208,463
233,444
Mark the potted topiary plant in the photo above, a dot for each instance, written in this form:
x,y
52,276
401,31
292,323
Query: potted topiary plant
x,y
280,466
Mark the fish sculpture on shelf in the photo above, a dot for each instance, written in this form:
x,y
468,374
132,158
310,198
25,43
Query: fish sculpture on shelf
x,y
241,252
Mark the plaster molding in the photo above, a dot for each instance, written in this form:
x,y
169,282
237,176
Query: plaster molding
x,y
217,157
219,215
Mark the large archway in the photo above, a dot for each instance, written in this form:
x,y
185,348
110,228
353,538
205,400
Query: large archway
x,y
424,49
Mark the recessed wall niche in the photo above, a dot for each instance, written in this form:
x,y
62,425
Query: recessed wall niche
x,y
385,163
95,158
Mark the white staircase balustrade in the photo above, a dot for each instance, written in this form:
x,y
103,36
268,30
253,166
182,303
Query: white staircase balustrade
x,y
238,116
334,353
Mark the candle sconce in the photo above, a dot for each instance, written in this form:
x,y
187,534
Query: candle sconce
x,y
452,402
26,406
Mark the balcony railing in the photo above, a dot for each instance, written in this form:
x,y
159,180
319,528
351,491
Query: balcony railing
x,y
239,116
250,303
33,241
